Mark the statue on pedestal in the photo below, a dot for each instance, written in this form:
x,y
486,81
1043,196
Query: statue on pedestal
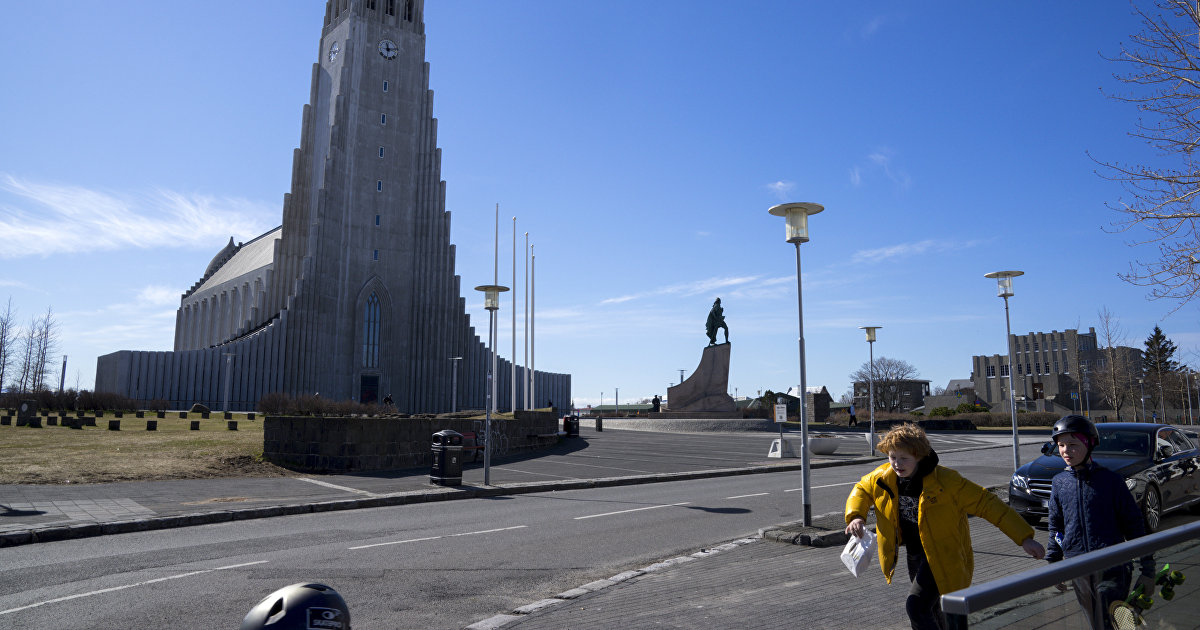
x,y
716,319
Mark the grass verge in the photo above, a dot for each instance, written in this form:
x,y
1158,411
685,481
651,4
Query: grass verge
x,y
57,454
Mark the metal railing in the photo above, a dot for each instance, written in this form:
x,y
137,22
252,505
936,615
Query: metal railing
x,y
1029,599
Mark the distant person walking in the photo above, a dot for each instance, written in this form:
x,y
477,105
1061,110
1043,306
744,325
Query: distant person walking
x,y
853,418
924,507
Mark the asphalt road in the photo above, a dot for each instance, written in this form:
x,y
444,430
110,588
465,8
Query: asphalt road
x,y
436,565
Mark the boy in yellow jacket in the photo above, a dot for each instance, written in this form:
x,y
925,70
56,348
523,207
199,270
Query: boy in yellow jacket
x,y
924,507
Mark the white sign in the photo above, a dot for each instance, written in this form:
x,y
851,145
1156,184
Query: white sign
x,y
780,413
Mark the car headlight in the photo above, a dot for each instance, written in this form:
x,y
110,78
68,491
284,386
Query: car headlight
x,y
1130,483
1020,481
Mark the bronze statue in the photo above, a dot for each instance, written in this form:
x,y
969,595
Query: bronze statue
x,y
716,319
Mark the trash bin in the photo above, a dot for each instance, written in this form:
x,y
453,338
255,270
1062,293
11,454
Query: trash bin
x,y
571,426
447,458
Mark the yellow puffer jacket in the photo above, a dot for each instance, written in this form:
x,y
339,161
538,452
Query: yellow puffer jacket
x,y
946,501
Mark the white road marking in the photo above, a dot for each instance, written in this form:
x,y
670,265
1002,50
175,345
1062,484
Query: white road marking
x,y
413,540
832,485
652,507
529,472
743,496
121,588
335,486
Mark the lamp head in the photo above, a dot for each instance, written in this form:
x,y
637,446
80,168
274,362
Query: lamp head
x,y
870,332
796,215
1004,281
491,295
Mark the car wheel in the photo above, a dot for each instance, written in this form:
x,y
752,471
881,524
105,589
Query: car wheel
x,y
1152,509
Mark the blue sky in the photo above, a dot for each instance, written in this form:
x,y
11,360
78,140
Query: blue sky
x,y
639,143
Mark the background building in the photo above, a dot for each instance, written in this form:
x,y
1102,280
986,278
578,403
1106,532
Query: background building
x,y
899,395
354,296
1055,371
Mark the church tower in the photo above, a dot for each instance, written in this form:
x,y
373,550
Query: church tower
x,y
355,295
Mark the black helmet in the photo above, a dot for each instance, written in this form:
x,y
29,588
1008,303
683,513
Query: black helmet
x,y
300,607
1076,424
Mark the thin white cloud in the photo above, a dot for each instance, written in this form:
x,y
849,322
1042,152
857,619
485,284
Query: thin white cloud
x,y
40,219
686,289
905,250
881,161
781,189
871,28
159,296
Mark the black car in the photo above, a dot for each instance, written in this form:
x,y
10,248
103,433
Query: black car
x,y
1161,465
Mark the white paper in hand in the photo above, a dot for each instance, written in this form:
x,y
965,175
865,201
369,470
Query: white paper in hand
x,y
857,554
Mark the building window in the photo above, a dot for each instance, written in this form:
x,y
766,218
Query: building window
x,y
383,119
1026,346
1066,367
377,219
385,85
379,185
375,255
1004,370
1035,346
991,371
391,7
1019,369
371,332
380,151
1056,367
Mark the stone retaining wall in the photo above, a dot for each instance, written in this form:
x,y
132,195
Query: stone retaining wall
x,y
326,444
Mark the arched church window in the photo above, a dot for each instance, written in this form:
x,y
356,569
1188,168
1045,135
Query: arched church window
x,y
371,332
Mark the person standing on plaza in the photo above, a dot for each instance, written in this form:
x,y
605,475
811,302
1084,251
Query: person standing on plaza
x,y
1092,508
924,507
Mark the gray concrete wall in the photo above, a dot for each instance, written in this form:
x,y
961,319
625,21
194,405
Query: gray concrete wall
x,y
367,444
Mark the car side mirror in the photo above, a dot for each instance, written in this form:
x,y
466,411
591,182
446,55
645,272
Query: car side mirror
x,y
1050,448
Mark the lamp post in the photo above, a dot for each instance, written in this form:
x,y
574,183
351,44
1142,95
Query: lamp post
x,y
1142,388
454,385
1005,290
870,330
796,215
491,301
1187,386
228,372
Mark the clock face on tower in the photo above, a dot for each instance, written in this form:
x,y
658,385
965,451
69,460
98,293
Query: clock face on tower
x,y
388,49
334,49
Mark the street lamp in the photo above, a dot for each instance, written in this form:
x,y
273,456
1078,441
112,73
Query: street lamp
x,y
871,382
228,373
1142,387
796,215
1005,290
491,301
454,385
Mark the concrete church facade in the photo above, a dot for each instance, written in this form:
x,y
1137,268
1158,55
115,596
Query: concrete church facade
x,y
354,296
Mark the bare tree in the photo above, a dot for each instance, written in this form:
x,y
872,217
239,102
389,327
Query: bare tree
x,y
1113,378
39,343
1163,82
8,341
888,374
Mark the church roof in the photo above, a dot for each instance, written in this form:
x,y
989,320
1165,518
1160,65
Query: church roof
x,y
246,258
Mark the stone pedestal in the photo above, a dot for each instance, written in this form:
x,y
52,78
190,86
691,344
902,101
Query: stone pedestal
x,y
708,386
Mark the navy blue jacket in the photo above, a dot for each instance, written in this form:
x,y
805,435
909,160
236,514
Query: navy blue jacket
x,y
1091,509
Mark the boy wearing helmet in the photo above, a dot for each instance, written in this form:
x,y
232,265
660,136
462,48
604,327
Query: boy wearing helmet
x,y
924,507
1092,508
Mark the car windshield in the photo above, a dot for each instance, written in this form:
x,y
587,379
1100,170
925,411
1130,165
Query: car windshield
x,y
1123,443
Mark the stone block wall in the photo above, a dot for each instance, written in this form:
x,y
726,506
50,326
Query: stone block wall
x,y
328,444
